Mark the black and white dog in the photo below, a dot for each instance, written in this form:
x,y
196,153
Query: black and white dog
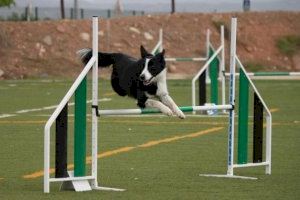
x,y
143,79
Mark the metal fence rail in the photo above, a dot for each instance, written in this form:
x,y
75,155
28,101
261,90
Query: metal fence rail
x,y
47,13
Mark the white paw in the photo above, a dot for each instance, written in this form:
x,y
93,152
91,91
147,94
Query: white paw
x,y
180,114
167,111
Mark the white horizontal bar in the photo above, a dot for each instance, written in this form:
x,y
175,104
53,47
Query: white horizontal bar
x,y
152,111
212,107
71,179
185,59
294,73
250,165
121,112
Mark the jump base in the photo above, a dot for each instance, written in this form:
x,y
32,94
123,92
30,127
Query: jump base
x,y
108,189
76,185
228,176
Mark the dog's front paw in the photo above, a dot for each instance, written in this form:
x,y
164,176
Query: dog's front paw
x,y
167,111
180,114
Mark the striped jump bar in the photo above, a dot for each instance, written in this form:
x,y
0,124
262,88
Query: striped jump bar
x,y
269,74
155,111
184,59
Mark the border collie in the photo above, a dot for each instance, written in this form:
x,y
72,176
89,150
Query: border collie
x,y
143,79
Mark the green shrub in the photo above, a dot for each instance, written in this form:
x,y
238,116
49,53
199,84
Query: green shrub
x,y
254,67
289,44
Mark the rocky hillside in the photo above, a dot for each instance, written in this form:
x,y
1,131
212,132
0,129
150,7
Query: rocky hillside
x,y
48,48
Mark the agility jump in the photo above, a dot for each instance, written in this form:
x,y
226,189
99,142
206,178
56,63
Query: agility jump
x,y
79,181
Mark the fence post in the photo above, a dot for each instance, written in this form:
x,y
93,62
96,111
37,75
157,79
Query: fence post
x,y
36,11
71,13
108,13
82,13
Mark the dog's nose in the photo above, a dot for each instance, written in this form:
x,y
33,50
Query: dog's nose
x,y
142,77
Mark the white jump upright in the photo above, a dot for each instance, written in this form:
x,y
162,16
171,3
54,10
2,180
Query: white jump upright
x,y
219,53
89,182
234,62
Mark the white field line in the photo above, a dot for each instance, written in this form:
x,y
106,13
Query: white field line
x,y
45,108
7,115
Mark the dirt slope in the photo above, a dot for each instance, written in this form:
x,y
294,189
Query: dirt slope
x,y
48,48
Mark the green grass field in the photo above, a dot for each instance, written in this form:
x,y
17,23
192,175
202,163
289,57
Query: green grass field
x,y
151,157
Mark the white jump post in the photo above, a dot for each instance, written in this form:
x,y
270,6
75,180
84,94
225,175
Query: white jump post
x,y
208,45
222,67
231,97
83,183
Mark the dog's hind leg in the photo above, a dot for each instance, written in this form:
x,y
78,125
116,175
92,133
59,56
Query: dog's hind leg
x,y
116,84
168,101
150,103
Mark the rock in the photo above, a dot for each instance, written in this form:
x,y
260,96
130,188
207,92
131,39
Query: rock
x,y
85,37
172,68
116,44
135,30
100,33
1,73
61,28
127,43
47,40
249,49
148,36
41,49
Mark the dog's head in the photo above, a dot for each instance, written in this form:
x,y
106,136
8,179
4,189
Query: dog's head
x,y
153,66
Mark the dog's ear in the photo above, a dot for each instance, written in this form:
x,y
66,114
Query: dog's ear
x,y
160,56
144,53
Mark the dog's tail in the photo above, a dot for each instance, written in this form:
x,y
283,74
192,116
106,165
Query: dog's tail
x,y
104,59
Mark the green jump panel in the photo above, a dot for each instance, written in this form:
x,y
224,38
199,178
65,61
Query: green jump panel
x,y
243,119
271,73
213,74
80,129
